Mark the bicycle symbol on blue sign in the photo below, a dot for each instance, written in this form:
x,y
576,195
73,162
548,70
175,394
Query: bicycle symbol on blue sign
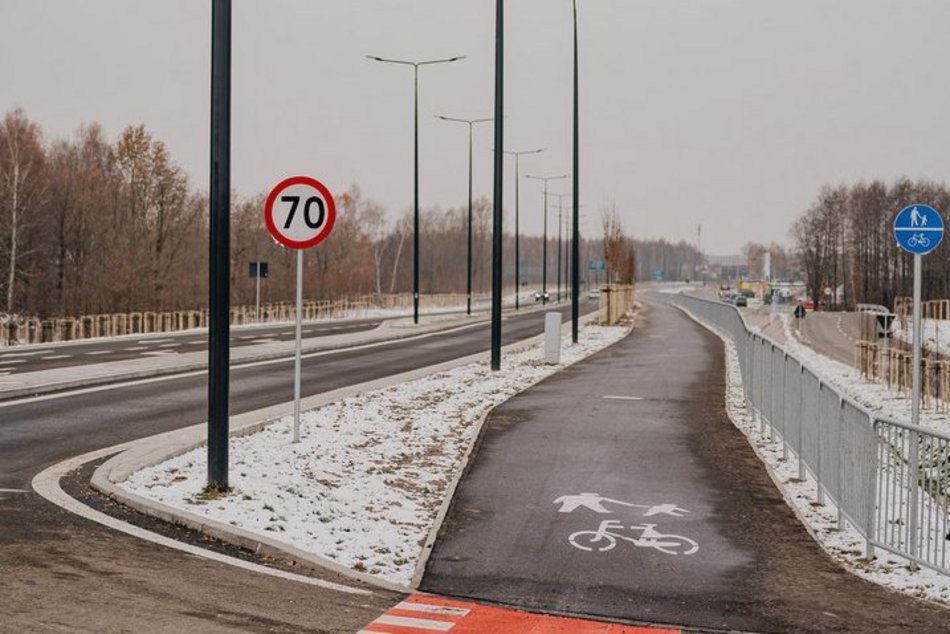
x,y
918,229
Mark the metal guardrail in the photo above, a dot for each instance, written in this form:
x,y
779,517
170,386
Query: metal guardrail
x,y
889,480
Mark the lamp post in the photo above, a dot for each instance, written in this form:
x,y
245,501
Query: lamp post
x,y
517,156
471,123
560,218
575,247
498,186
544,247
415,170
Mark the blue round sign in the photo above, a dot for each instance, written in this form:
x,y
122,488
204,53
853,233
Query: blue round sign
x,y
918,229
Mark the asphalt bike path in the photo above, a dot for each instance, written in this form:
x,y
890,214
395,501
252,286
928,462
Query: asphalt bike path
x,y
620,489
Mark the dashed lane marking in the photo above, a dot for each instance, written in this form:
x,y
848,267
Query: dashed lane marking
x,y
623,398
423,614
135,348
56,356
8,361
13,491
146,341
99,352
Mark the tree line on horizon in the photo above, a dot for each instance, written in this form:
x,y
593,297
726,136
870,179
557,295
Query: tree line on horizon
x,y
845,242
90,225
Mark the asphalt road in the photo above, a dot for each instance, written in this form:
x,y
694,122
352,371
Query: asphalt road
x,y
61,573
834,334
643,423
62,355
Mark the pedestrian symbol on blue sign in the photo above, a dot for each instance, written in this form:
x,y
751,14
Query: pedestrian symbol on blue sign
x,y
918,229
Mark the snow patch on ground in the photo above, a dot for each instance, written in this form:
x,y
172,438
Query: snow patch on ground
x,y
875,397
935,334
845,544
365,484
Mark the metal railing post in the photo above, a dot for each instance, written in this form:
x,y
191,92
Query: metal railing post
x,y
872,493
801,421
784,409
913,493
840,498
820,494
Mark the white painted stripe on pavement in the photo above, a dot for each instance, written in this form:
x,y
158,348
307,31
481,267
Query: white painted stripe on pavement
x,y
13,491
56,356
154,340
623,398
100,352
9,361
432,609
46,483
422,624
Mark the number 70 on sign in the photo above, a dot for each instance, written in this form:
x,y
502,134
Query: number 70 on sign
x,y
299,212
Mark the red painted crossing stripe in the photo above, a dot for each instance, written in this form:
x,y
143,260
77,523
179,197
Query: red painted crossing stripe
x,y
424,614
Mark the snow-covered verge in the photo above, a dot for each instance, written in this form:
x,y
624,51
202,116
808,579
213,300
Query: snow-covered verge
x,y
935,334
365,484
844,544
876,398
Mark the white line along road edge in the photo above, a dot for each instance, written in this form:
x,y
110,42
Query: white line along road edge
x,y
46,484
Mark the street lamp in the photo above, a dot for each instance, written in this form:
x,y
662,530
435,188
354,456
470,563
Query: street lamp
x,y
575,247
544,248
560,218
517,156
415,175
471,123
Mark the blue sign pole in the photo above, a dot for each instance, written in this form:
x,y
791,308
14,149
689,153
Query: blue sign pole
x,y
918,229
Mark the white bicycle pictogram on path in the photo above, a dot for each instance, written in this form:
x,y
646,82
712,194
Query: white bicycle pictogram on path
x,y
606,536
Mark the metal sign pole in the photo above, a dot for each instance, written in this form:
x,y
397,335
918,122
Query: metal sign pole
x,y
298,346
915,405
914,458
257,299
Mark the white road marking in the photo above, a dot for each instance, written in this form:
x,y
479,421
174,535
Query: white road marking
x,y
422,624
100,352
23,354
135,348
169,345
623,398
46,483
8,361
264,341
5,372
13,491
249,364
153,341
431,609
57,356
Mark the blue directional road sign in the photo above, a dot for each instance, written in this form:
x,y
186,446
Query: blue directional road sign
x,y
918,229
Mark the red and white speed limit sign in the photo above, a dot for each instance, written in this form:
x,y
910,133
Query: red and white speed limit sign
x,y
299,212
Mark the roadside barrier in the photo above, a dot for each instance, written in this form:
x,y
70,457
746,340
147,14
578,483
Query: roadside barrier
x,y
19,331
893,367
615,301
888,480
934,309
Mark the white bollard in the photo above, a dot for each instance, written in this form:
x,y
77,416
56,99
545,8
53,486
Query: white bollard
x,y
552,337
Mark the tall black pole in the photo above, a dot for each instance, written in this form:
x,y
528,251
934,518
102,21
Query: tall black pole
x,y
559,249
517,233
499,173
219,246
544,250
415,197
469,286
575,243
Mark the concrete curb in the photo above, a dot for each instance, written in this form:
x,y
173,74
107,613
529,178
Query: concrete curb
x,y
157,449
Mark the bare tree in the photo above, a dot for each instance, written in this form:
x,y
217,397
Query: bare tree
x,y
21,166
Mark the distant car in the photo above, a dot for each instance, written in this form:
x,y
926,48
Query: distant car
x,y
538,296
594,293
741,301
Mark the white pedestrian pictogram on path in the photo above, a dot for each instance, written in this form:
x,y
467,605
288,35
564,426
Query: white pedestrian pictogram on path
x,y
595,502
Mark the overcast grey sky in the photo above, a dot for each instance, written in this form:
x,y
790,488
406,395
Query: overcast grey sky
x,y
729,113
